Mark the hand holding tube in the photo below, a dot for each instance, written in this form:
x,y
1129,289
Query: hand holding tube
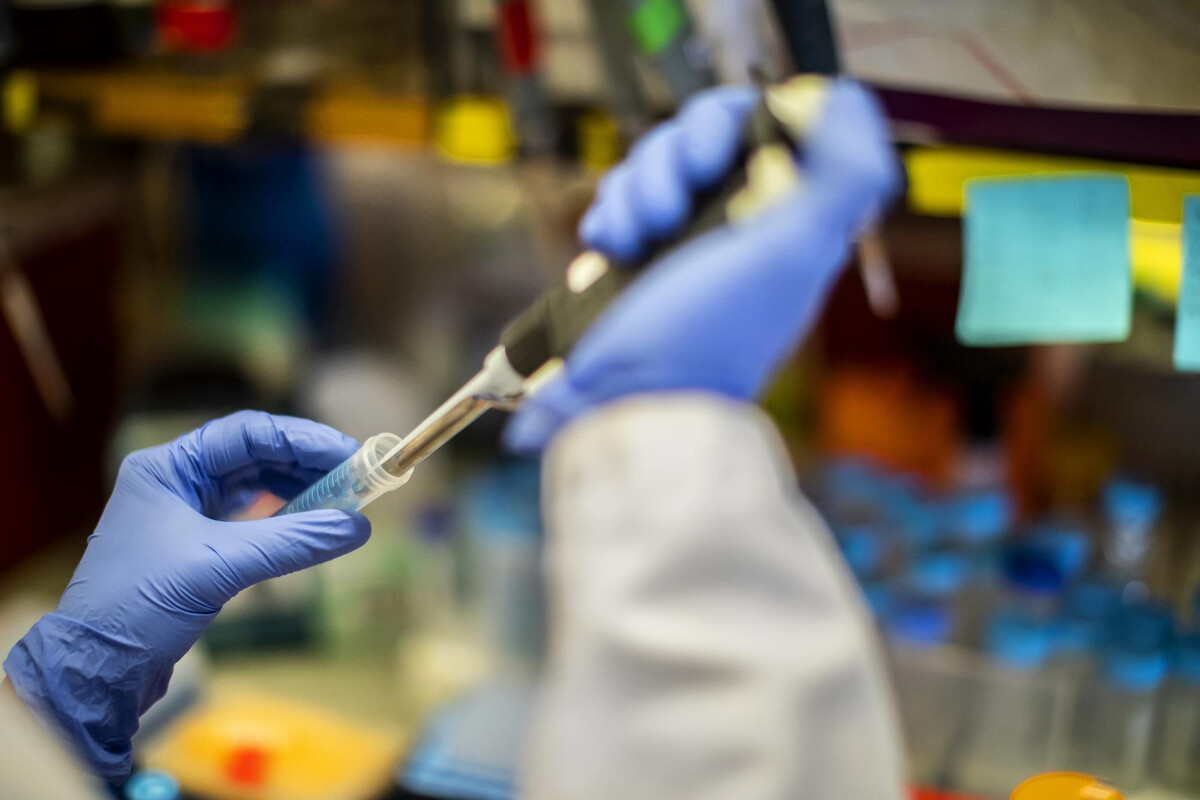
x,y
160,565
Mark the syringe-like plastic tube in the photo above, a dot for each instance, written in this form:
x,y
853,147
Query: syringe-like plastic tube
x,y
356,481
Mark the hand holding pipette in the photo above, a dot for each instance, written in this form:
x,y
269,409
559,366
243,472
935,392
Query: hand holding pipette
x,y
790,176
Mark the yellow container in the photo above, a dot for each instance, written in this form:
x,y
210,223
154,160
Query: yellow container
x,y
260,748
475,130
1064,786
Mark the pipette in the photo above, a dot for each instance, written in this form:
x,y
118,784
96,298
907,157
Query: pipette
x,y
533,345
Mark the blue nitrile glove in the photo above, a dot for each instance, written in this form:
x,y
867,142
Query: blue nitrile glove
x,y
159,566
720,313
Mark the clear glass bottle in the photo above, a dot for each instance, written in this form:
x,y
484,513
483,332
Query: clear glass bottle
x,y
1179,728
1146,625
1121,706
940,577
931,687
1012,711
977,523
1033,582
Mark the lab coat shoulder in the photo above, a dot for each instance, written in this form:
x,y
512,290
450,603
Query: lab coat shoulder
x,y
706,640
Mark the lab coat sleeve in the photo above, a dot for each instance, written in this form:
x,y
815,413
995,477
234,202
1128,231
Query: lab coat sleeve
x,y
33,764
705,639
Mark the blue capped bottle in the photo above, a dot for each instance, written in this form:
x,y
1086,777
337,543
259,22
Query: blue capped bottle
x,y
939,578
1179,730
1121,706
1013,716
151,785
931,683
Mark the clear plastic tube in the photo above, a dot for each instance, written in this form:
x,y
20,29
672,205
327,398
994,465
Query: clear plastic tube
x,y
356,481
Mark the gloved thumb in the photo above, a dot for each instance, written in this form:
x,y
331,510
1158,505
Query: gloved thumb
x,y
268,548
542,415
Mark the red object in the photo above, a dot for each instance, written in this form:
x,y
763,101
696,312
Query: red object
x,y
518,38
196,26
247,765
932,794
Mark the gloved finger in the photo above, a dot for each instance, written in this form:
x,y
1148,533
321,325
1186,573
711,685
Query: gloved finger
x,y
254,551
531,429
762,280
611,225
711,130
850,173
649,196
592,224
659,192
849,152
250,437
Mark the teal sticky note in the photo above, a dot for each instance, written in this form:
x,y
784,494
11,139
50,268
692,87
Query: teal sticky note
x,y
1187,316
1046,259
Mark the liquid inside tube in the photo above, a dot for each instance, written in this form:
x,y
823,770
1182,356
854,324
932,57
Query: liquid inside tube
x,y
355,482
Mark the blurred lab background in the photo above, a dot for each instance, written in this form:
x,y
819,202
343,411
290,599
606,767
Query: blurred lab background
x,y
330,207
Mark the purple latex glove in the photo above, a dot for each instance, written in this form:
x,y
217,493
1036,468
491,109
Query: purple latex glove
x,y
719,313
160,565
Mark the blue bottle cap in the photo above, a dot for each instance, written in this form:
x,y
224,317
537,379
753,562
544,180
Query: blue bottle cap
x,y
938,574
1129,503
981,516
898,490
864,548
1148,625
880,597
1187,658
1094,600
920,624
1073,636
1030,571
1018,641
151,785
1135,670
921,523
1066,546
850,479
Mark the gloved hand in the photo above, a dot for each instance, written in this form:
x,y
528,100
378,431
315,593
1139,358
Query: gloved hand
x,y
160,565
720,313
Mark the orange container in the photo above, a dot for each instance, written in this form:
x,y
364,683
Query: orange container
x,y
1064,786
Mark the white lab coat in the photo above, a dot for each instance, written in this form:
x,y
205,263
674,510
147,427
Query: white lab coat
x,y
706,640
33,765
